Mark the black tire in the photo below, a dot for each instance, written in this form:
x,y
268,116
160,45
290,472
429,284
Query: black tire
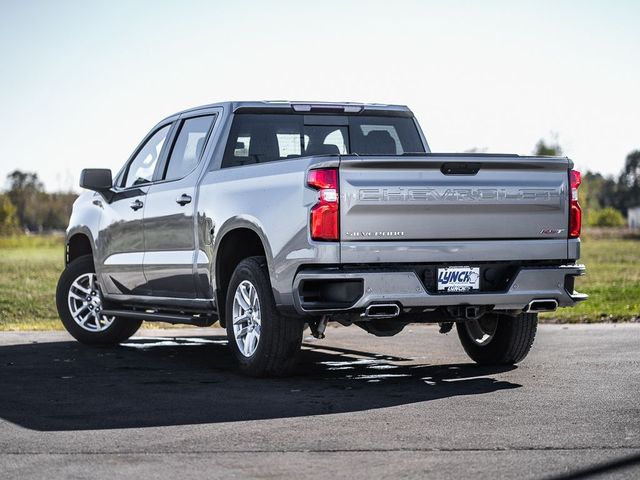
x,y
511,342
280,337
121,328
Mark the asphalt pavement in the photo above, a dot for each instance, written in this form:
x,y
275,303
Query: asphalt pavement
x,y
169,404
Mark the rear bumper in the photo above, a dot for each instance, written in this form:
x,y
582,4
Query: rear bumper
x,y
407,290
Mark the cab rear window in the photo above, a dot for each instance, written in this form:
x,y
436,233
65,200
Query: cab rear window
x,y
260,138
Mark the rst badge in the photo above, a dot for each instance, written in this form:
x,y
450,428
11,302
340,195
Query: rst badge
x,y
458,279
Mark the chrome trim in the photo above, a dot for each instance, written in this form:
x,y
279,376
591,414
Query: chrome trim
x,y
530,308
367,312
129,258
169,257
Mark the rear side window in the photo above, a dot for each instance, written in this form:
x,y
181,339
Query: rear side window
x,y
262,138
259,138
188,147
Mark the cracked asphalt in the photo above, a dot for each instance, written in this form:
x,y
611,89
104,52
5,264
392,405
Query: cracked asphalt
x,y
169,403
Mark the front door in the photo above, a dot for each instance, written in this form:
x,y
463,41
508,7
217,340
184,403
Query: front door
x,y
170,241
121,236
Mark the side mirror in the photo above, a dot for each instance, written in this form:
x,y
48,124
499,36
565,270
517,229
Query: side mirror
x,y
97,179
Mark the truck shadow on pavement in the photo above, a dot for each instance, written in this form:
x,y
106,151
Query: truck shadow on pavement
x,y
164,381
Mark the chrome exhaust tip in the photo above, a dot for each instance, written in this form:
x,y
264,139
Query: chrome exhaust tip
x,y
545,305
382,310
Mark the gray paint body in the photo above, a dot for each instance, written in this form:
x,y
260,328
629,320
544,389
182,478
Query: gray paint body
x,y
393,210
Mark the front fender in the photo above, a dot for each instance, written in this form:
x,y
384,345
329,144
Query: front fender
x,y
85,220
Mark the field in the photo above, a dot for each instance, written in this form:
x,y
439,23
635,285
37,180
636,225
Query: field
x,y
612,282
30,266
29,270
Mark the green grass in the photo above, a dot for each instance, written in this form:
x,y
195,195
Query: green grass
x,y
612,282
30,267
29,270
28,242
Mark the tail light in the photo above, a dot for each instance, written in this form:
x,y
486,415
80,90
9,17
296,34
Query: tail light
x,y
324,220
575,212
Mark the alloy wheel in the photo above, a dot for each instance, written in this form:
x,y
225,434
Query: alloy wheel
x,y
85,304
247,319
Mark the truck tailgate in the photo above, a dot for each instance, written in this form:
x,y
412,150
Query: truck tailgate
x,y
461,197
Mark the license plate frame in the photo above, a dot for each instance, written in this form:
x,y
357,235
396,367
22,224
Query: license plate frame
x,y
458,279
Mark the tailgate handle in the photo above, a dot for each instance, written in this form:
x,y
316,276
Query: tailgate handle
x,y
460,168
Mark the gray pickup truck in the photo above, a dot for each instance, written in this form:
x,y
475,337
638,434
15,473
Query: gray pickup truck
x,y
271,217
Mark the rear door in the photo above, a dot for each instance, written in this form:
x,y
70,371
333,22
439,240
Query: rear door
x,y
170,241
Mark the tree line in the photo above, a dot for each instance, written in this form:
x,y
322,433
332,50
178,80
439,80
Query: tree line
x,y
605,200
25,206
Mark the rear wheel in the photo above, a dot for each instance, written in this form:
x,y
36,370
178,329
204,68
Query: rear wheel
x,y
263,342
497,339
79,302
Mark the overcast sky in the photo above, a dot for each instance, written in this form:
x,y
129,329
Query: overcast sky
x,y
82,82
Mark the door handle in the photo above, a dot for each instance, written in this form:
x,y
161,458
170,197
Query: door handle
x,y
183,199
136,205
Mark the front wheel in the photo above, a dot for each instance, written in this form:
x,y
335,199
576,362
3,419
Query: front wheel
x,y
497,339
79,302
263,342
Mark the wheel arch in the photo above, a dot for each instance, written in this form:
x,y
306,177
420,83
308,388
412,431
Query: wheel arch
x,y
77,244
236,242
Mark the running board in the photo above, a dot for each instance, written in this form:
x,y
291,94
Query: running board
x,y
200,320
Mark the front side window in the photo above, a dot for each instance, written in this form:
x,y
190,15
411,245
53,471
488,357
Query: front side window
x,y
188,147
259,138
141,168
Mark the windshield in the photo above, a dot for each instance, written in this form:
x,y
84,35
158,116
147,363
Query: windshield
x,y
259,138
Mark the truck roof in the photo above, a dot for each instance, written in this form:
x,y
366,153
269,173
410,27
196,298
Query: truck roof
x,y
286,106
